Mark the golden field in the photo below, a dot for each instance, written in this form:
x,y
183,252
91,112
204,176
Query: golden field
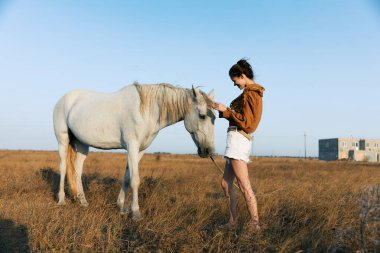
x,y
304,206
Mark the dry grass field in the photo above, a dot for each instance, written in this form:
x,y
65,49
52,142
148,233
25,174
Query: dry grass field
x,y
304,205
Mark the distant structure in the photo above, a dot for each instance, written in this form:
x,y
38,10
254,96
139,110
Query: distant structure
x,y
349,148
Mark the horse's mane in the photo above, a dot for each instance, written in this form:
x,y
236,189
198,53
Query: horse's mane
x,y
173,101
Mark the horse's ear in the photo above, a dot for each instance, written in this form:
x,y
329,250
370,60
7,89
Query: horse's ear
x,y
195,91
211,94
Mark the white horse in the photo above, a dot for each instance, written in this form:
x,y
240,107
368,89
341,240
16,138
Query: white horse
x,y
127,119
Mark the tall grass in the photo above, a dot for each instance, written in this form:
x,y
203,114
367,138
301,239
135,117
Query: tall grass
x,y
307,205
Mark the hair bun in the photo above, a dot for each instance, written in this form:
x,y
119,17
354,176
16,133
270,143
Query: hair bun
x,y
242,67
244,64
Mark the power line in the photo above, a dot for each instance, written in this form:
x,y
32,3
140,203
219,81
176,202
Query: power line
x,y
305,143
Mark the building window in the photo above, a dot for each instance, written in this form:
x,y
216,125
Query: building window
x,y
353,144
367,145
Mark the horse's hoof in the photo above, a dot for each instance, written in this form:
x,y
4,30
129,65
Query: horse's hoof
x,y
136,216
124,211
84,204
61,203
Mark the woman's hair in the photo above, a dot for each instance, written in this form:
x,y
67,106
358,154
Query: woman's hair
x,y
242,67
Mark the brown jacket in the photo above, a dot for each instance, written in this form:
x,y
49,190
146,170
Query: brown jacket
x,y
245,110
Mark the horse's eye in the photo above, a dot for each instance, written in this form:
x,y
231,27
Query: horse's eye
x,y
202,116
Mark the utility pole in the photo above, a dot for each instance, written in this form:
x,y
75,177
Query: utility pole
x,y
252,149
305,143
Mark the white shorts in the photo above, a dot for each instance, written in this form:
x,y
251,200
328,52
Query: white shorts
x,y
237,147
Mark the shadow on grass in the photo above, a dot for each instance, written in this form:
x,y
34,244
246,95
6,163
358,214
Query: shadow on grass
x,y
13,237
53,179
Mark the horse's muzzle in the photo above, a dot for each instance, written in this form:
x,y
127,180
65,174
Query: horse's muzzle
x,y
205,152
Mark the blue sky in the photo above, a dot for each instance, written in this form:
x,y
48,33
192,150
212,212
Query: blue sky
x,y
318,60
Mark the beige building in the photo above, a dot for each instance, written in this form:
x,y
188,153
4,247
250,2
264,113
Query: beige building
x,y
349,148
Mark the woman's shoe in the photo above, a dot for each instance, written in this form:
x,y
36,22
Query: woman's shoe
x,y
252,227
229,226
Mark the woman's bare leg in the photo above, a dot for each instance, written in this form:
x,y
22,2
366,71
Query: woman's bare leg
x,y
228,187
241,172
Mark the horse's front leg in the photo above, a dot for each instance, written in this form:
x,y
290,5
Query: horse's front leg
x,y
122,199
133,161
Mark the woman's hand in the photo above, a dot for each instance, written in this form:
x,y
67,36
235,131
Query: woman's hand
x,y
220,107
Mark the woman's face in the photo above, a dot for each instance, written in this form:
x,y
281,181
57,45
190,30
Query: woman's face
x,y
239,81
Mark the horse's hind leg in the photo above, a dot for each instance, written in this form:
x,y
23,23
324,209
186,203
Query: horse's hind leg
x,y
82,152
63,143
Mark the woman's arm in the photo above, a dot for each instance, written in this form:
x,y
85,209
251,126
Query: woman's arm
x,y
245,119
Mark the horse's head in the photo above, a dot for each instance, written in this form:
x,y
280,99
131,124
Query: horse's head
x,y
199,122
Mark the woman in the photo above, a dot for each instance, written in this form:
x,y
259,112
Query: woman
x,y
244,115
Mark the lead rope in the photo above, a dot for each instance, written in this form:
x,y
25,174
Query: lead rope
x,y
221,171
237,187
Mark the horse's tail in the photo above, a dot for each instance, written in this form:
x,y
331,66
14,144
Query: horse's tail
x,y
70,159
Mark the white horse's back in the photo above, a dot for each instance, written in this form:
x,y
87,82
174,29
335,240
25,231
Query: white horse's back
x,y
104,113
